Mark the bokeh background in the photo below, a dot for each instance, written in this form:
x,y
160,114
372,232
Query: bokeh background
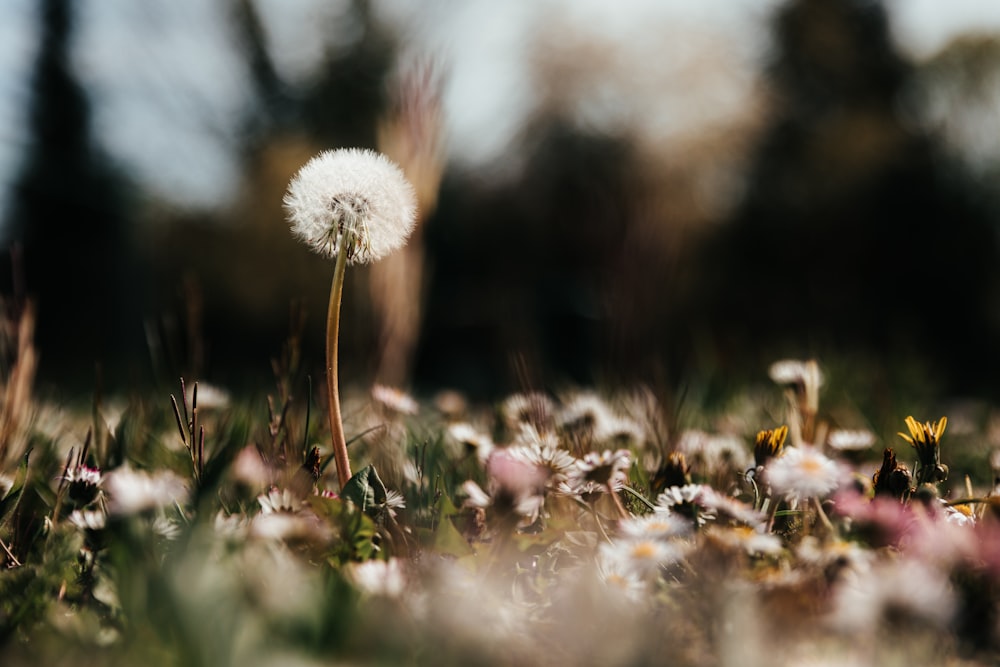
x,y
612,192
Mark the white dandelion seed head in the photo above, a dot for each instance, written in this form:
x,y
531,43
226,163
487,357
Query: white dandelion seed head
x,y
351,195
802,472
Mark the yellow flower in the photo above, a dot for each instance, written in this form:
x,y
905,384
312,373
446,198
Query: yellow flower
x,y
926,439
769,444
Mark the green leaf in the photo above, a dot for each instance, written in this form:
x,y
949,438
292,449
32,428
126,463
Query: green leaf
x,y
11,501
446,539
366,491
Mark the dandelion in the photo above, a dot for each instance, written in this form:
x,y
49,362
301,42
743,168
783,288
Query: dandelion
x,y
926,440
674,471
768,445
356,206
803,472
893,478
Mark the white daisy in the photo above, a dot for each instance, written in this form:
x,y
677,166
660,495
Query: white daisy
x,y
379,577
891,591
658,525
643,556
395,399
606,469
468,437
850,440
133,491
802,472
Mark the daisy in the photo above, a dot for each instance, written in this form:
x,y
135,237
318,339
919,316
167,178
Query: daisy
x,y
891,592
688,501
754,541
471,440
82,484
844,440
802,472
658,526
395,400
606,469
134,491
535,409
642,556
379,577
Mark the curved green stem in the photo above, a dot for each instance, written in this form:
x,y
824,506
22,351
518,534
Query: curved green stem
x,y
333,392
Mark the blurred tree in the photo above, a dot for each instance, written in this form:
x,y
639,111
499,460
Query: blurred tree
x,y
68,215
851,235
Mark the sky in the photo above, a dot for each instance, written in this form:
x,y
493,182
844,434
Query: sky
x,y
167,88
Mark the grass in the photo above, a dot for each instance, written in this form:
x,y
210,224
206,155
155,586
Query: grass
x,y
578,528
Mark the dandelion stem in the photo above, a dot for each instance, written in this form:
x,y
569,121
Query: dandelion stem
x,y
333,393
